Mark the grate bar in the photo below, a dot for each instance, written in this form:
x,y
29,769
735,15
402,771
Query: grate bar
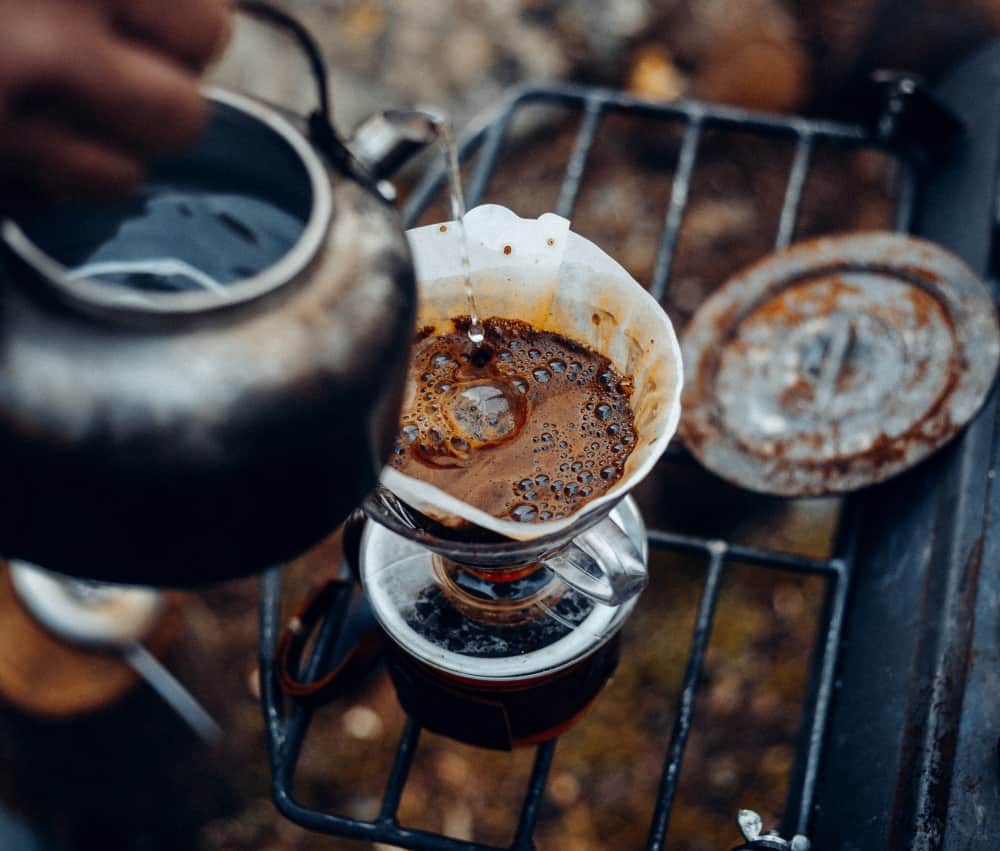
x,y
487,162
738,552
675,212
906,196
270,598
689,691
801,797
688,111
793,191
405,752
533,797
578,159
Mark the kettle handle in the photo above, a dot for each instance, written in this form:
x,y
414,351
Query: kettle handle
x,y
603,564
322,133
283,20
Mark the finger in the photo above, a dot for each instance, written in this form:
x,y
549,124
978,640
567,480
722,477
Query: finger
x,y
116,91
191,31
45,161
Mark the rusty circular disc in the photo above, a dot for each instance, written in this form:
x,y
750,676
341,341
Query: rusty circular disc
x,y
837,363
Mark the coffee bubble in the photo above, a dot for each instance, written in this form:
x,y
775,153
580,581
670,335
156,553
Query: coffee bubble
x,y
486,412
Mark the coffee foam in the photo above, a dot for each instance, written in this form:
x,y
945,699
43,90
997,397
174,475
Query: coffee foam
x,y
530,426
538,271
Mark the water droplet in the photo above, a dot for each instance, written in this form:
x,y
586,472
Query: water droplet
x,y
524,484
541,480
563,467
557,366
577,467
530,495
584,477
444,387
586,491
627,438
608,473
409,433
614,428
542,375
520,385
556,486
563,444
571,489
505,356
441,359
515,345
534,354
545,515
546,437
476,332
603,412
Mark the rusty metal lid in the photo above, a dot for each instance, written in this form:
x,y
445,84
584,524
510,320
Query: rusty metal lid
x,y
837,363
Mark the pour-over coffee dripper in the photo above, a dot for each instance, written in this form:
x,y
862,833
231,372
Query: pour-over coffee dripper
x,y
496,623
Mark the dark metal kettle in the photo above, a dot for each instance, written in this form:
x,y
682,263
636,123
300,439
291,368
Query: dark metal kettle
x,y
206,379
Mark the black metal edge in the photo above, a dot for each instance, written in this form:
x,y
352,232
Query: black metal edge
x,y
903,747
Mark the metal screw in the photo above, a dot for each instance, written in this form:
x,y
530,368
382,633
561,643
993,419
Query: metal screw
x,y
751,826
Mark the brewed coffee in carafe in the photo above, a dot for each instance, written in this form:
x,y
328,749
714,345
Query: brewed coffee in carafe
x,y
505,627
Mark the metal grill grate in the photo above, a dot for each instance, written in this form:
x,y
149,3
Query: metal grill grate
x,y
285,733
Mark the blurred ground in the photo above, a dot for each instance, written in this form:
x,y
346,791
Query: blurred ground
x,y
769,54
133,778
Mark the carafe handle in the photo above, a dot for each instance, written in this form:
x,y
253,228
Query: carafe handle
x,y
603,563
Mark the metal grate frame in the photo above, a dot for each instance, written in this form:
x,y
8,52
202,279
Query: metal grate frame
x,y
286,730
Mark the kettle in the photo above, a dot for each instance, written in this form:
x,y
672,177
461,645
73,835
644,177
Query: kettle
x,y
205,379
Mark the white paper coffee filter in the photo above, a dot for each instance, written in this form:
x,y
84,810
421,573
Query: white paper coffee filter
x,y
540,272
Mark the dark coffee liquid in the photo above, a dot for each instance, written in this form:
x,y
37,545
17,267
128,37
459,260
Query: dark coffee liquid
x,y
529,426
435,618
501,715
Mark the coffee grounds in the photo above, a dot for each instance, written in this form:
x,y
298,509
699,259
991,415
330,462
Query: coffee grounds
x,y
529,426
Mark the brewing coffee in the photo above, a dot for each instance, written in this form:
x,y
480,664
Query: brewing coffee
x,y
528,426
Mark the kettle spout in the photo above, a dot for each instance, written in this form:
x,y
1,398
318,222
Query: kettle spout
x,y
384,142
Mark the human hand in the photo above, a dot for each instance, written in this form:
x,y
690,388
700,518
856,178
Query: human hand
x,y
90,89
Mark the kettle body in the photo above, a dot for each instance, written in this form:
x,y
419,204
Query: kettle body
x,y
205,380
